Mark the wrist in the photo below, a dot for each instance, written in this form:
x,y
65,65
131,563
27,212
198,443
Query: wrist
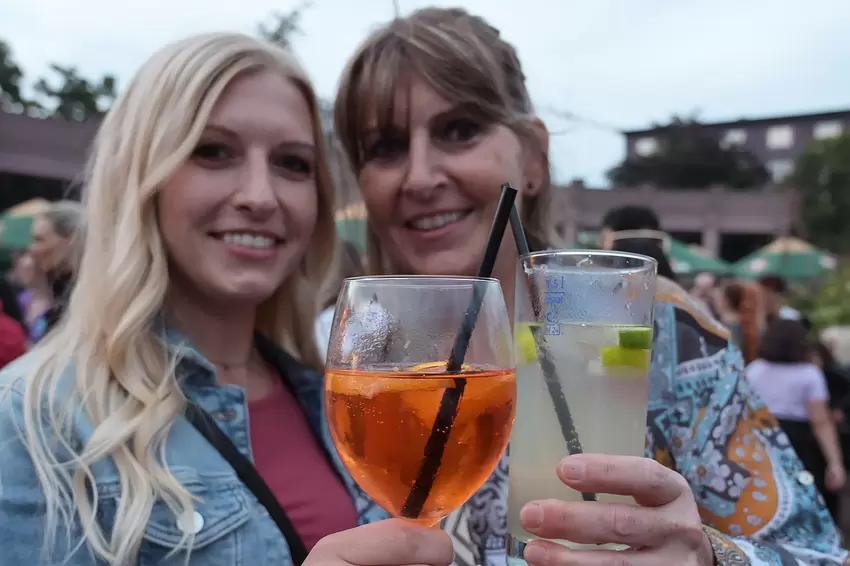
x,y
707,555
711,547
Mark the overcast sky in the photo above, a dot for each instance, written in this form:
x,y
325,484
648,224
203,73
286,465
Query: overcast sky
x,y
617,64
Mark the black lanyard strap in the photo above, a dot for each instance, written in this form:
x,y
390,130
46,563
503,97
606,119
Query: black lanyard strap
x,y
246,472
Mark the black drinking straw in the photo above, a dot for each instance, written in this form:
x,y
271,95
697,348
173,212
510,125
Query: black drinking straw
x,y
447,414
544,358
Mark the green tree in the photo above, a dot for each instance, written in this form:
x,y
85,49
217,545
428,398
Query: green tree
x,y
829,303
822,177
281,27
11,98
689,158
76,98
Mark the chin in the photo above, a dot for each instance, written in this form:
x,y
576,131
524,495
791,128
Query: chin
x,y
248,292
449,263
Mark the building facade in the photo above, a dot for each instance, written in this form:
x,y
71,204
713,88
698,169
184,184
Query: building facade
x,y
776,141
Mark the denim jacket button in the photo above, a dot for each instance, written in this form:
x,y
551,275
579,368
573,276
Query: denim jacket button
x,y
191,525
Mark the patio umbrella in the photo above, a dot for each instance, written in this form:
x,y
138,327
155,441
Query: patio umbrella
x,y
686,259
787,257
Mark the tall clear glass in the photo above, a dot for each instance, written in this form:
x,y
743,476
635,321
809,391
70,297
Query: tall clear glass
x,y
583,334
418,432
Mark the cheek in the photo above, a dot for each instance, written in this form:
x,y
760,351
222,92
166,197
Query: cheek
x,y
301,208
380,188
481,171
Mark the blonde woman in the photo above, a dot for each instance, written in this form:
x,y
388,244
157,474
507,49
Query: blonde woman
x,y
434,113
174,416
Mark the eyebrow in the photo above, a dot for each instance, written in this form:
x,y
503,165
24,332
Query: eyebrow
x,y
225,131
461,108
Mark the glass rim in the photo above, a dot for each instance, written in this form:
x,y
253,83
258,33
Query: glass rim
x,y
649,261
419,278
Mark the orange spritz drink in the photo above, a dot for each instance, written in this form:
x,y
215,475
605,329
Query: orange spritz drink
x,y
419,429
381,421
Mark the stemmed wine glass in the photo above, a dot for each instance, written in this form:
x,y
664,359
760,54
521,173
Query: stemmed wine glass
x,y
420,389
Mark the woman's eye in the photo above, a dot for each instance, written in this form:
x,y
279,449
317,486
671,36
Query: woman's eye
x,y
212,152
294,164
460,130
386,148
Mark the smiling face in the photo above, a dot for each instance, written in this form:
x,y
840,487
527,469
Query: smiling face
x,y
238,216
431,182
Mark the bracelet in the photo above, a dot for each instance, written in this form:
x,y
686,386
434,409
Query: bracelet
x,y
726,552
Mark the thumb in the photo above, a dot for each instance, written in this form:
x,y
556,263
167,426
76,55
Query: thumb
x,y
386,543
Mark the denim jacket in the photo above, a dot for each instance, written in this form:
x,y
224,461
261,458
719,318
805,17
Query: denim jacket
x,y
233,528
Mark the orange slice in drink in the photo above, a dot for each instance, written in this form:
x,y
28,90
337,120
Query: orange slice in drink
x,y
369,384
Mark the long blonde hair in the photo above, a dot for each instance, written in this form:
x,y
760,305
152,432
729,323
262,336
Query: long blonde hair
x,y
123,372
466,61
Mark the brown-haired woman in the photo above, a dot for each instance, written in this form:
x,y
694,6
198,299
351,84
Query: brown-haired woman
x,y
739,311
796,392
434,114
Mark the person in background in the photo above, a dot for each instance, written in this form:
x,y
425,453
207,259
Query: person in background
x,y
13,339
738,309
635,229
189,330
703,291
795,391
35,298
11,306
774,290
435,115
57,236
838,385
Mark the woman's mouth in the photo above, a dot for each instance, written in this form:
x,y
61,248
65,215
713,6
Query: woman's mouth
x,y
437,221
248,240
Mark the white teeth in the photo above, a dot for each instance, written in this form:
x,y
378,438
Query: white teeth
x,y
437,221
249,240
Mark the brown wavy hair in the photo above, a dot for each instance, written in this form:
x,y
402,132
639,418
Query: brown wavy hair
x,y
743,298
467,62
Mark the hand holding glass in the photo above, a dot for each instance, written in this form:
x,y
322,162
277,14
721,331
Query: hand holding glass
x,y
584,336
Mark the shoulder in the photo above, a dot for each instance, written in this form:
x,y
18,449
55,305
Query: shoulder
x,y
14,375
812,373
756,367
21,404
326,317
688,312
689,333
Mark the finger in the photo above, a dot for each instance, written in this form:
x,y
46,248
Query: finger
x,y
546,553
596,522
387,543
650,483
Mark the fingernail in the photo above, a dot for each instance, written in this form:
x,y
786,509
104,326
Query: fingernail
x,y
534,554
531,516
572,469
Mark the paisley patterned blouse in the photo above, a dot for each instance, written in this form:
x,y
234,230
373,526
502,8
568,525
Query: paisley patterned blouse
x,y
759,505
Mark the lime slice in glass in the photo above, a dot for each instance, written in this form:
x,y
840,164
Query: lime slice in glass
x,y
636,337
526,350
618,358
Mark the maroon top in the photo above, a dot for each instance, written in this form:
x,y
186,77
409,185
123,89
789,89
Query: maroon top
x,y
294,465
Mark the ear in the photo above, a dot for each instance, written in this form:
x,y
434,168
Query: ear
x,y
536,158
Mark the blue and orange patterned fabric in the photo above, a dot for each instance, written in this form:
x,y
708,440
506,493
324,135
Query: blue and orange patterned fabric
x,y
759,505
